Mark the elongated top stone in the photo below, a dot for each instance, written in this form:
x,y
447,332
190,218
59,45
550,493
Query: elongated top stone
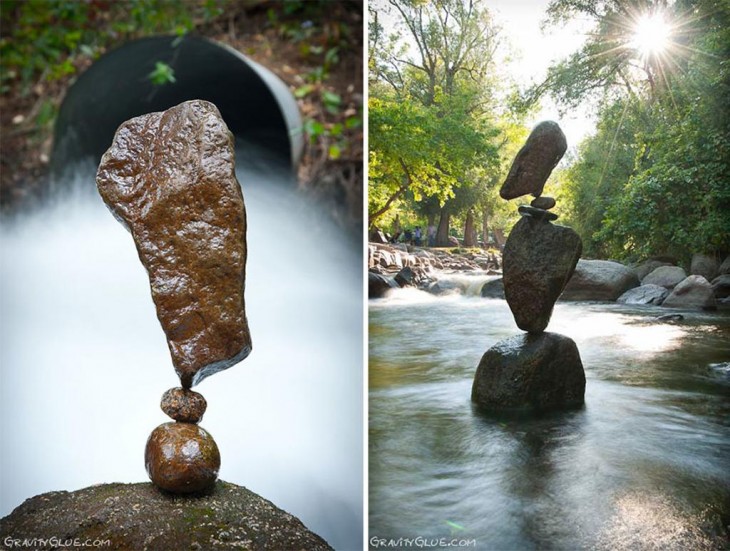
x,y
533,164
169,177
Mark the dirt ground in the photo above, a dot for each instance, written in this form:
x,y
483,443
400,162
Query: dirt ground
x,y
263,31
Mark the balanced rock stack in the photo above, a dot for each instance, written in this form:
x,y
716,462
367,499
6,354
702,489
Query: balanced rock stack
x,y
536,370
169,177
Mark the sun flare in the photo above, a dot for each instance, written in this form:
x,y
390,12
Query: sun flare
x,y
651,35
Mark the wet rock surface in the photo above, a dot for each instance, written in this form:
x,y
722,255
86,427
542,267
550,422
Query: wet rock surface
x,y
182,458
532,166
644,294
378,285
183,405
493,289
530,372
539,259
169,177
139,516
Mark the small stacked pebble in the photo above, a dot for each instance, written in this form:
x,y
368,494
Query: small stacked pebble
x,y
181,457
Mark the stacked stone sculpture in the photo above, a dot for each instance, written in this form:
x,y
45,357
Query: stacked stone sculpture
x,y
535,370
169,177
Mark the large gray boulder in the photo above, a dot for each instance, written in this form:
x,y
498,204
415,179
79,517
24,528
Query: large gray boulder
x,y
139,516
533,164
721,286
665,276
530,372
643,269
694,292
644,294
539,258
602,280
705,265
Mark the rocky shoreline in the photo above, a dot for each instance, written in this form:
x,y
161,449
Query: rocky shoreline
x,y
657,282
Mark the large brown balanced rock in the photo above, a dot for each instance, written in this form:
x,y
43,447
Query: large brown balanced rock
x,y
533,164
539,259
530,372
138,516
182,458
169,177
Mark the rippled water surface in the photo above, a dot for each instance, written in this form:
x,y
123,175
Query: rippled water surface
x,y
644,465
84,360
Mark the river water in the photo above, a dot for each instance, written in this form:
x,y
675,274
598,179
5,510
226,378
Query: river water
x,y
84,361
644,465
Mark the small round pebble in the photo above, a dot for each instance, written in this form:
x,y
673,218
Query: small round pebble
x,y
544,202
182,458
183,405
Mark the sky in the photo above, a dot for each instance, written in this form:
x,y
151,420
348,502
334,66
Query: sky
x,y
529,52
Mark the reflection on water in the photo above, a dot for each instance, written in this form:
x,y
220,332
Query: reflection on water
x,y
642,465
84,360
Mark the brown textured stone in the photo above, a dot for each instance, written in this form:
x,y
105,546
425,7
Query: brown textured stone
x,y
533,164
182,458
169,177
183,405
539,259
543,202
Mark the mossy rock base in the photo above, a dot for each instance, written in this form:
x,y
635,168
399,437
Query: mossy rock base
x,y
139,516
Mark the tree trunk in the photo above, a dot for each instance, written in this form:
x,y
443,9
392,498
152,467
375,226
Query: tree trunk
x,y
499,238
442,233
470,232
485,227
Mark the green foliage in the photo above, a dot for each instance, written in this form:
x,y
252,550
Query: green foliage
x,y
162,74
654,178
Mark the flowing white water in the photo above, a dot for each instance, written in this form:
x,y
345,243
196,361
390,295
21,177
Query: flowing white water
x,y
643,466
85,362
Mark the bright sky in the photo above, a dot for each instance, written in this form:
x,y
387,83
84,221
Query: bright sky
x,y
530,52
533,52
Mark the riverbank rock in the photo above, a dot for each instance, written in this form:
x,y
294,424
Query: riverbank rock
x,y
665,276
725,266
704,265
721,286
533,164
539,259
169,177
643,269
493,289
378,285
644,294
139,516
530,372
601,280
694,292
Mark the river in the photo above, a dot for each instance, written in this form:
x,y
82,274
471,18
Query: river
x,y
644,465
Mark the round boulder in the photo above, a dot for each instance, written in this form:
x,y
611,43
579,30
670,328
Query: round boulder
x,y
721,286
602,280
704,265
530,372
643,269
693,292
182,458
493,289
665,276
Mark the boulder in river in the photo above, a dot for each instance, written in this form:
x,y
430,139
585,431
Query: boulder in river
x,y
533,164
378,285
665,276
721,286
644,294
169,177
139,516
493,289
539,258
601,280
643,269
725,266
693,292
530,372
